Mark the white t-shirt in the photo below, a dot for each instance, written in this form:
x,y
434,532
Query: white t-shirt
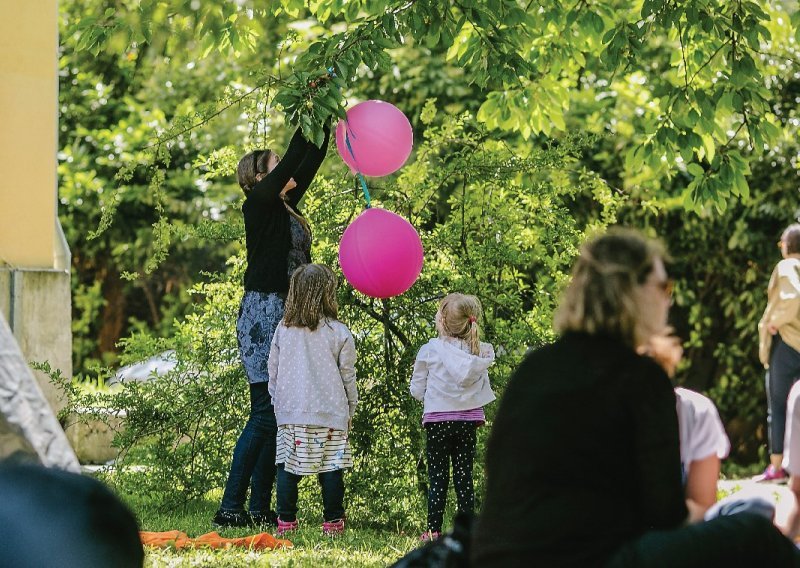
x,y
791,456
701,431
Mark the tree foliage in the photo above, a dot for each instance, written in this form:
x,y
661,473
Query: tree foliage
x,y
550,121
703,67
184,424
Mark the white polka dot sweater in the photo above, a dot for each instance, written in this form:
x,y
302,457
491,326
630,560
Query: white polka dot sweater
x,y
312,376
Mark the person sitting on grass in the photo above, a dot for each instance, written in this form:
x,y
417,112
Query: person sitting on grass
x,y
703,441
51,517
791,459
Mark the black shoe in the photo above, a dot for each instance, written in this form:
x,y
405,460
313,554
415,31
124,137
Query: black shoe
x,y
268,519
226,519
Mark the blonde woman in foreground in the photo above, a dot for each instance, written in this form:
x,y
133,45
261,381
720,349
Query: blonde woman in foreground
x,y
583,464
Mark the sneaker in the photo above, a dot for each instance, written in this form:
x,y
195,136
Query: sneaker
x,y
228,519
430,535
772,475
268,519
333,528
285,527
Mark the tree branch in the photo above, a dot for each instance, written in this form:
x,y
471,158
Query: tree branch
x,y
271,81
378,317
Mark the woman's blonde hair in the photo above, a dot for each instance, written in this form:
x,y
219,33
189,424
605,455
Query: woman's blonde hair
x,y
257,162
600,296
458,317
312,296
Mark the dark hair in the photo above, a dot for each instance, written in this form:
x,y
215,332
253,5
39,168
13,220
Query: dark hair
x,y
252,164
600,295
791,236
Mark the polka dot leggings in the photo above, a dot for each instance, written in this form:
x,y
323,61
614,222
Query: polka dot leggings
x,y
449,440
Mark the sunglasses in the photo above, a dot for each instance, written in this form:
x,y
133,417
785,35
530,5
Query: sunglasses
x,y
666,286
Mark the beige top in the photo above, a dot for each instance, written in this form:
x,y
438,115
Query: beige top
x,y
783,308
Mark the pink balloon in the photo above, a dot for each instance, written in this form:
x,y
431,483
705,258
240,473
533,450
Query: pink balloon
x,y
380,137
380,253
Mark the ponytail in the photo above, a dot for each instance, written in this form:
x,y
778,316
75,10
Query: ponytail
x,y
473,336
458,317
300,219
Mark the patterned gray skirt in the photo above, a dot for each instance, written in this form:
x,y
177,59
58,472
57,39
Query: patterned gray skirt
x,y
259,315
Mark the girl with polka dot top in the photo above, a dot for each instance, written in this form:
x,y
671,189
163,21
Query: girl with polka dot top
x,y
313,386
451,378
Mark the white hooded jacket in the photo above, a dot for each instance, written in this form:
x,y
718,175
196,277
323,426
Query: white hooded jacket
x,y
448,377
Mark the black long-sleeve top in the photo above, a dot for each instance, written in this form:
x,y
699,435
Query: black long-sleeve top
x,y
583,456
266,220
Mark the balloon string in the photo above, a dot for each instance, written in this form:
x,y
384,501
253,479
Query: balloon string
x,y
355,161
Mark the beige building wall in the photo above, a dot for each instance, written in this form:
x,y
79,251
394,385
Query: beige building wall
x,y
34,258
28,131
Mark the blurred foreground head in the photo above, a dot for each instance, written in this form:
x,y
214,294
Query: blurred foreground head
x,y
50,517
619,287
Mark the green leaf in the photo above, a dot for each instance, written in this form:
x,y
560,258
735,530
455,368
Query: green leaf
x,y
597,23
709,146
695,169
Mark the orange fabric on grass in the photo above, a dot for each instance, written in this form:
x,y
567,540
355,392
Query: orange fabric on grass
x,y
178,539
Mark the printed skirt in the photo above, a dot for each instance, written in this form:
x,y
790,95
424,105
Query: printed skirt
x,y
259,316
308,450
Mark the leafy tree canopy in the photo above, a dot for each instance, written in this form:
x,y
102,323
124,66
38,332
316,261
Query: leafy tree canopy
x,y
699,72
535,123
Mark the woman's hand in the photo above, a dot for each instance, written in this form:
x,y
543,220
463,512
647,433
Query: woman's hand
x,y
772,329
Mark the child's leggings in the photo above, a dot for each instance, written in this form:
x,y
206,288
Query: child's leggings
x,y
332,484
450,440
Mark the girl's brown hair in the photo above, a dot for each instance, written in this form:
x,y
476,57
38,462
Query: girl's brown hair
x,y
312,296
600,296
458,317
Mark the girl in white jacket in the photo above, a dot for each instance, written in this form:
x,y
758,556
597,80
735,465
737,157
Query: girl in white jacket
x,y
451,378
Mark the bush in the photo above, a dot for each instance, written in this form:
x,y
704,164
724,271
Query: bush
x,y
492,224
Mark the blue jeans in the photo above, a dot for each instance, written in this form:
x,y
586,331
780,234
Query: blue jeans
x,y
254,456
332,483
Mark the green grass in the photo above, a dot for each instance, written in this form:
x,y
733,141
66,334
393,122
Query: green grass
x,y
361,545
357,548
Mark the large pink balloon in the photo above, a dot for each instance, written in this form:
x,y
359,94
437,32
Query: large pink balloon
x,y
380,253
380,138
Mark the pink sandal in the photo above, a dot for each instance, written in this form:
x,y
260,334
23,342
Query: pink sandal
x,y
429,535
285,527
333,528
